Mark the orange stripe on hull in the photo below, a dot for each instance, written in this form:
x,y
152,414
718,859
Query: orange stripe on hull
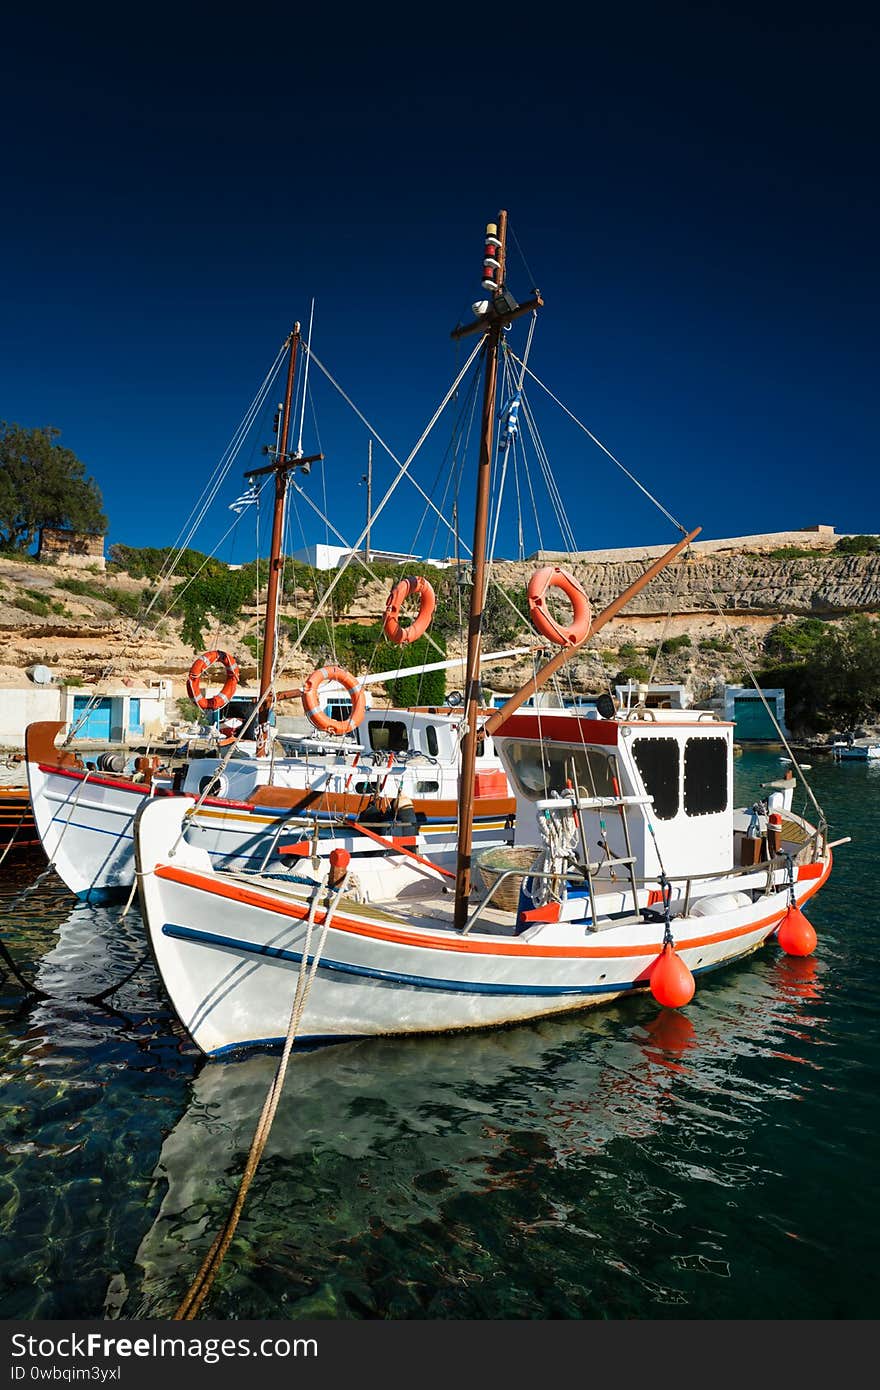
x,y
235,893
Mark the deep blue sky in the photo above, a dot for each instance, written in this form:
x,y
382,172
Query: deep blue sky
x,y
693,187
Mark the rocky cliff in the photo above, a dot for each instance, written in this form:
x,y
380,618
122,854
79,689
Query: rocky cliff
x,y
72,623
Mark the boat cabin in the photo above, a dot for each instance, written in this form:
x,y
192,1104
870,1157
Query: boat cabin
x,y
662,782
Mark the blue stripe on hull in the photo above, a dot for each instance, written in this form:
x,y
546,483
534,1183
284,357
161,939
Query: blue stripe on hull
x,y
178,933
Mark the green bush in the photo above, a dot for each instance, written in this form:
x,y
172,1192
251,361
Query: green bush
x,y
715,644
795,641
792,552
857,545
837,681
120,599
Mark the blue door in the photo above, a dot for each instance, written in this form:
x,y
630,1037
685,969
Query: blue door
x,y
96,724
135,723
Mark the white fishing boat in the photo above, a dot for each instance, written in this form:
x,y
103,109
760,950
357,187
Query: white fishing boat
x,y
860,752
397,767
631,870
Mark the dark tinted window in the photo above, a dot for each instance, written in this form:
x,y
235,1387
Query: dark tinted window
x,y
705,776
431,744
657,761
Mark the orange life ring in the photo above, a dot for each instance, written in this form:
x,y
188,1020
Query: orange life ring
x,y
408,588
553,577
197,670
316,714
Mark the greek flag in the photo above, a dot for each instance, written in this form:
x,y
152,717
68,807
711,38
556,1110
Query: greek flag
x,y
511,424
244,500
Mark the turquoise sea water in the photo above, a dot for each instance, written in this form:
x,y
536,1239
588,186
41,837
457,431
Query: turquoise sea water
x,y
624,1162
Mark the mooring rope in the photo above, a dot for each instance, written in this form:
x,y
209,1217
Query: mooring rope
x,y
201,1285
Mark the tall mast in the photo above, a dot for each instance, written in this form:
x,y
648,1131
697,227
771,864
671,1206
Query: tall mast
x,y
282,466
501,308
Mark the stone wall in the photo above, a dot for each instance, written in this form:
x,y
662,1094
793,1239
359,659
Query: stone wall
x,y
73,548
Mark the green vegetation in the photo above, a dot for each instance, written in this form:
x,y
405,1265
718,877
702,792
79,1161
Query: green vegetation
x,y
671,645
831,676
858,545
795,641
254,645
715,644
39,605
793,552
633,672
188,710
42,484
362,647
120,599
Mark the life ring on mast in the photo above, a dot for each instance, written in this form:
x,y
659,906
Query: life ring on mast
x,y
316,714
197,670
553,577
415,585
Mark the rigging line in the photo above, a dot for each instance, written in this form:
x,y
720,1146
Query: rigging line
x,y
523,258
299,443
402,473
673,595
445,467
226,459
339,536
520,539
178,593
566,533
379,440
598,442
745,660
165,579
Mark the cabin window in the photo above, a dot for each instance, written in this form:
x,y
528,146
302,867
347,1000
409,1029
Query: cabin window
x,y
705,776
425,788
539,770
389,737
431,744
657,761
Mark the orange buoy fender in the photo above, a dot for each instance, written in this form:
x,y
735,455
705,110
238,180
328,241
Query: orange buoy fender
x,y
795,934
412,587
672,983
553,577
197,670
316,714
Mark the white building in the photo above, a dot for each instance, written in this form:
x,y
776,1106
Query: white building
x,y
118,714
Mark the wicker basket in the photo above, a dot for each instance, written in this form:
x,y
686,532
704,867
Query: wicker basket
x,y
492,863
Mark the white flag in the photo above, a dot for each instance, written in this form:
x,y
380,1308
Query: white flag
x,y
244,500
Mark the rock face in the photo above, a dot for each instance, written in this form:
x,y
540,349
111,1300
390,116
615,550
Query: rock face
x,y
83,635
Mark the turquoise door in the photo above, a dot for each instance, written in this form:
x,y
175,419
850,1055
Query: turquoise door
x,y
96,724
135,723
752,720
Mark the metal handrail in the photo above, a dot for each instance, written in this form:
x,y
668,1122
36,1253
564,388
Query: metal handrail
x,y
770,866
516,873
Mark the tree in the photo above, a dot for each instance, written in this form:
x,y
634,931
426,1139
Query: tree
x,y
43,484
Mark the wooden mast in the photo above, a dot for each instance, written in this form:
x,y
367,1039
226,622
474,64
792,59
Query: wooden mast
x,y
282,465
502,308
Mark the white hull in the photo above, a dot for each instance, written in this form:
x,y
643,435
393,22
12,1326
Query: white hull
x,y
230,951
86,827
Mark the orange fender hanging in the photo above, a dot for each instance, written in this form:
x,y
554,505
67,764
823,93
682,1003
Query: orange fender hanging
x,y
795,934
553,577
415,585
672,983
197,670
311,707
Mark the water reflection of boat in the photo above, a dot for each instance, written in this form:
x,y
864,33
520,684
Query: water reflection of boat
x,y
356,1162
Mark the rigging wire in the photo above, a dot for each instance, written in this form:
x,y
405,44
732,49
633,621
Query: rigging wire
x,y
598,442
